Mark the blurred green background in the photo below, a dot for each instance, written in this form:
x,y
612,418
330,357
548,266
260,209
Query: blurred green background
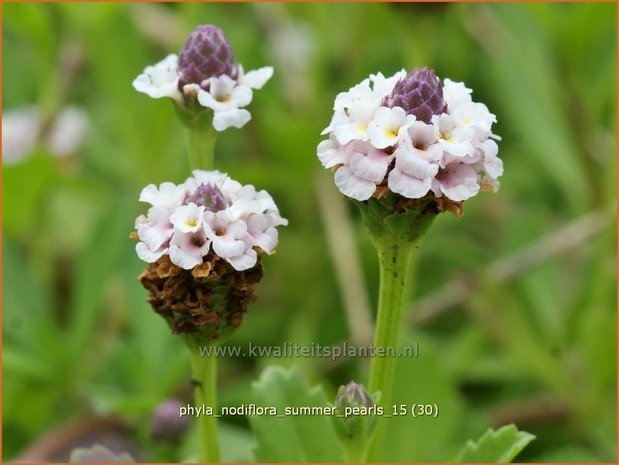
x,y
514,303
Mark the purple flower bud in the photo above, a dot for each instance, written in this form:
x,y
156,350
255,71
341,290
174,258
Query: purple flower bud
x,y
420,93
210,196
352,395
166,423
206,54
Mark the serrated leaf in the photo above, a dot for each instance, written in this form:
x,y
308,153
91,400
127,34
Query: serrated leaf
x,y
292,438
500,446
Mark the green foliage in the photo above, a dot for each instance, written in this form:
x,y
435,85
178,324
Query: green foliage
x,y
292,438
500,446
78,336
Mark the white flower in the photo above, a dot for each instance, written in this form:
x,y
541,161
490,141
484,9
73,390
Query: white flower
x,y
187,249
226,98
352,122
369,163
475,115
353,186
383,129
230,239
457,182
160,80
187,218
225,95
455,140
416,160
168,195
331,153
455,94
491,166
255,79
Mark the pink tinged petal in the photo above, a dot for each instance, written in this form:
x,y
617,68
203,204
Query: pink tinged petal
x,y
408,186
223,120
226,247
370,167
493,165
330,153
245,261
414,163
353,186
264,235
187,249
257,78
148,255
458,182
156,229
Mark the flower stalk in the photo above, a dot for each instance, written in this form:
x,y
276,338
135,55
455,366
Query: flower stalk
x,y
396,228
200,146
204,377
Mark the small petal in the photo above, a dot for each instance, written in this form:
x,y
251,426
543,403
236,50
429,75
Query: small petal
x,y
353,186
160,80
256,79
408,186
223,120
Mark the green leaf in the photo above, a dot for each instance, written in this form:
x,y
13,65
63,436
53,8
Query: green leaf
x,y
307,438
423,380
499,446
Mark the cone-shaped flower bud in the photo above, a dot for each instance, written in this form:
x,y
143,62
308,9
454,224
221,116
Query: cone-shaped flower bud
x,y
420,93
166,423
352,395
206,54
356,419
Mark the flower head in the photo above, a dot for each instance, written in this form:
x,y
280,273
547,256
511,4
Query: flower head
x,y
204,240
413,136
204,75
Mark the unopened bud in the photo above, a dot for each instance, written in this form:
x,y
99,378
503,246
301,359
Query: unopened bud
x,y
206,54
420,93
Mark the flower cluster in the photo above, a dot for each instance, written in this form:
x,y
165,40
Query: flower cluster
x,y
205,70
208,211
411,135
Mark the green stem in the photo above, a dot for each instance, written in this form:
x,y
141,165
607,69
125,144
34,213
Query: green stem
x,y
395,264
200,146
204,372
355,453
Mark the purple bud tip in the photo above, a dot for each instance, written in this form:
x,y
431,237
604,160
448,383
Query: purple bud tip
x,y
352,395
206,54
166,423
420,93
209,196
